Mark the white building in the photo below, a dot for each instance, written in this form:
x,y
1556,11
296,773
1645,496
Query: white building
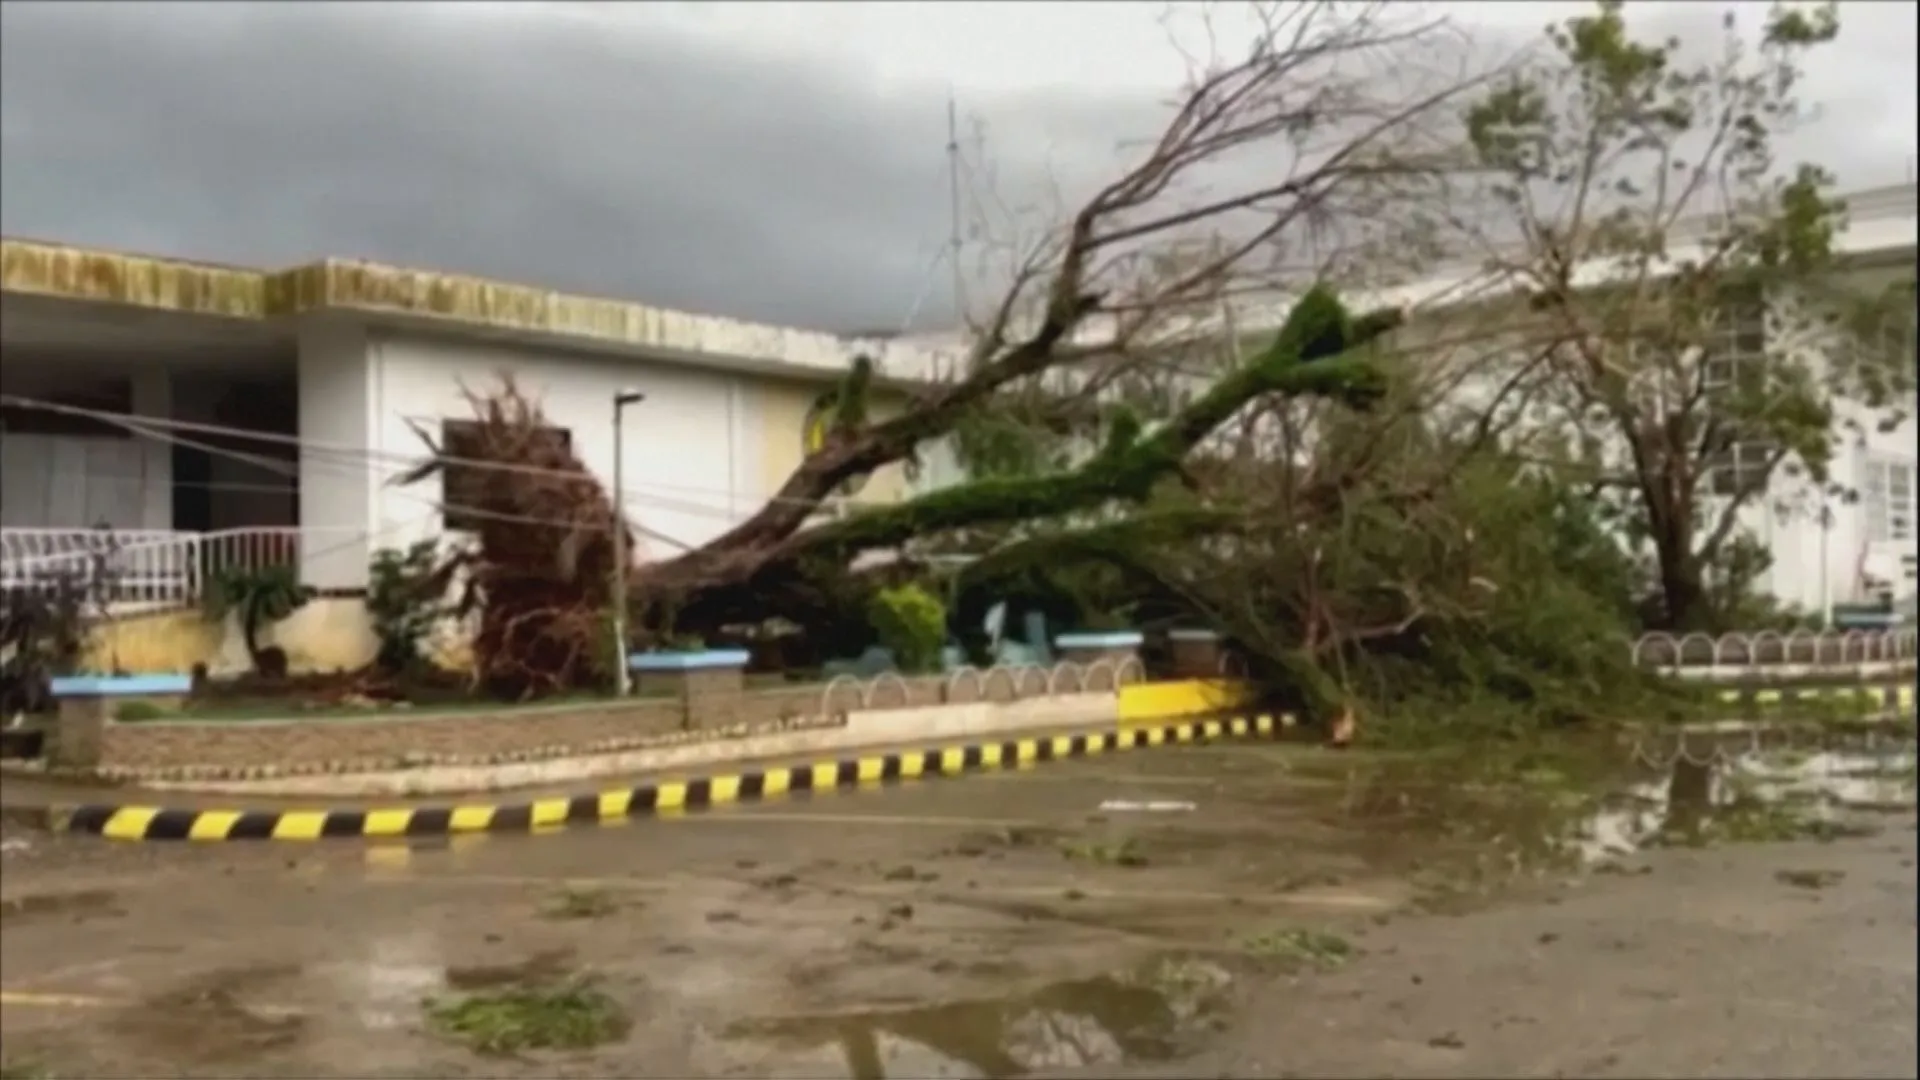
x,y
1858,549
279,409
327,365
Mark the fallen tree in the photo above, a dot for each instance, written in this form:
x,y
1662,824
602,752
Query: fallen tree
x,y
1401,562
539,569
1298,130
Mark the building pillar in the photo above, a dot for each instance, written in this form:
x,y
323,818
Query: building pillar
x,y
339,478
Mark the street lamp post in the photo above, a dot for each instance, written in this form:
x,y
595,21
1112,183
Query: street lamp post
x,y
623,681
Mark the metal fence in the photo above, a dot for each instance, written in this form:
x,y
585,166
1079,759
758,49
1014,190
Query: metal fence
x,y
999,683
1768,648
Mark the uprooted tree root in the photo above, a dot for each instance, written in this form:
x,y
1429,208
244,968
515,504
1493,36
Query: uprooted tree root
x,y
538,571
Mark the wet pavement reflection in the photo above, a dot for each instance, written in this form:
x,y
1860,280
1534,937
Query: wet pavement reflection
x,y
1150,1013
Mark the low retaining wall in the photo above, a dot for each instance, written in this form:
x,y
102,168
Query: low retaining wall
x,y
854,730
1769,674
234,750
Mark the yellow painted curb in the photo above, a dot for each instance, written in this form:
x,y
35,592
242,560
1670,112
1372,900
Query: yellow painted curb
x,y
667,797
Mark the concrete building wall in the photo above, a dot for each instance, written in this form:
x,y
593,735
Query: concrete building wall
x,y
784,408
1817,557
691,450
339,489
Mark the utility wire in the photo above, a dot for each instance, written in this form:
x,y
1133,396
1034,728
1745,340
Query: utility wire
x,y
138,426
395,461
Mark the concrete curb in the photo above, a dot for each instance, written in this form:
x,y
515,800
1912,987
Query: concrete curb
x,y
128,822
1900,697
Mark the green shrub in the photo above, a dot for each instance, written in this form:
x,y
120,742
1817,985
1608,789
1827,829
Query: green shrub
x,y
912,624
405,598
258,598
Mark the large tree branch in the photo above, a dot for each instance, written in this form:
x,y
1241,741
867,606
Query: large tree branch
x,y
1314,354
1274,97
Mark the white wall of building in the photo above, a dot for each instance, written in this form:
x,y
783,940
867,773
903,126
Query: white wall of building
x,y
1815,564
338,488
692,449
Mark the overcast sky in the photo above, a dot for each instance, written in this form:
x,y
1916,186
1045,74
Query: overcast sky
x,y
779,162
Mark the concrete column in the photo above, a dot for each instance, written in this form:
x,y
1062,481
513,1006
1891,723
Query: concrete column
x,y
338,489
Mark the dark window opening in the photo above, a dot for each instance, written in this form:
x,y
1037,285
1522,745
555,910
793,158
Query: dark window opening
x,y
107,396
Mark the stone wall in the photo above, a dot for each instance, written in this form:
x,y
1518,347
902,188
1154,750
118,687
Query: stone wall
x,y
389,740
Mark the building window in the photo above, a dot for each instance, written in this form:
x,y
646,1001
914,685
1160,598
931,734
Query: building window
x,y
463,486
1888,494
1736,355
112,396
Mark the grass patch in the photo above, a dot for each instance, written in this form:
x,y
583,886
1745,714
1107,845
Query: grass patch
x,y
1122,853
581,904
19,1070
223,706
1301,949
576,1016
1809,879
294,708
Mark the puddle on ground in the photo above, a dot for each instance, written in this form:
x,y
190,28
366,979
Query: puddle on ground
x,y
1147,1014
399,972
1736,791
216,1018
1463,827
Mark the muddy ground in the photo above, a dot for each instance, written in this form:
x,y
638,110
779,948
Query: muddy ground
x,y
1230,911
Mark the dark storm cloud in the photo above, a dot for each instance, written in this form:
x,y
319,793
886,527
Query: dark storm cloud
x,y
558,148
562,145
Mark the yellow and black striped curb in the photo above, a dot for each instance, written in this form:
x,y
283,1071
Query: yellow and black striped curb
x,y
157,823
1896,696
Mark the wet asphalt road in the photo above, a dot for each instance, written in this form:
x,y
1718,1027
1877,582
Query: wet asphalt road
x,y
1707,965
924,916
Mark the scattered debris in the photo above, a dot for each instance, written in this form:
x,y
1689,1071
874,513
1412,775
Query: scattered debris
x,y
1125,853
1341,734
1810,879
575,1016
581,904
1301,949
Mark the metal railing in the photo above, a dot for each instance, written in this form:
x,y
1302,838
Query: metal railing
x,y
146,568
1763,649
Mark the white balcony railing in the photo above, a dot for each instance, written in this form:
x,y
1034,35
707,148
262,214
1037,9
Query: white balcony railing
x,y
148,568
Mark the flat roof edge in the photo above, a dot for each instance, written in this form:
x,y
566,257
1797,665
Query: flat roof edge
x,y
63,272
